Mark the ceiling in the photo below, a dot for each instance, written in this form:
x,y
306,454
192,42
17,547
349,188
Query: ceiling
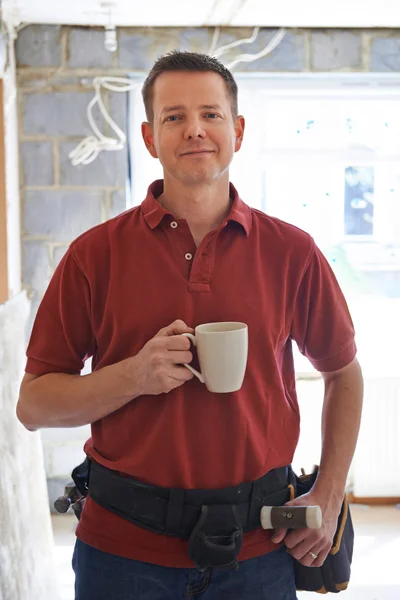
x,y
193,13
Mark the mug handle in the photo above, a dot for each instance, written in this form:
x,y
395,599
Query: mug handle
x,y
199,375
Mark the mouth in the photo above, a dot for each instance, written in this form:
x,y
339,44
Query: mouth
x,y
197,152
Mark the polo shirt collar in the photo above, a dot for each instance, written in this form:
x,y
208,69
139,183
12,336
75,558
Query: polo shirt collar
x,y
154,213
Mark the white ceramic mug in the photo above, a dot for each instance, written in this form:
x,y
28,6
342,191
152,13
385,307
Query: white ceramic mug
x,y
222,351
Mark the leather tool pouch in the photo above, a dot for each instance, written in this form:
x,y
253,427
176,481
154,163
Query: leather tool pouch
x,y
334,574
217,538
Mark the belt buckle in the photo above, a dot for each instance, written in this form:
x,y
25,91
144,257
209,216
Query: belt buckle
x,y
217,538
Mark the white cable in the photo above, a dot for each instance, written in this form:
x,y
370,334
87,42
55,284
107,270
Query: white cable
x,y
89,148
276,40
214,42
227,47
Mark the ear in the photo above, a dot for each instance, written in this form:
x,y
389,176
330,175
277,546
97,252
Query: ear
x,y
239,132
148,138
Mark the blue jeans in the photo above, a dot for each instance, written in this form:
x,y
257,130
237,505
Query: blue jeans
x,y
102,576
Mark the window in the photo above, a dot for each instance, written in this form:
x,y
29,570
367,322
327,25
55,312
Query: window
x,y
323,152
359,201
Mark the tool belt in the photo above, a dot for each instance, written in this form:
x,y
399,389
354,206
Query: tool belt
x,y
213,521
334,575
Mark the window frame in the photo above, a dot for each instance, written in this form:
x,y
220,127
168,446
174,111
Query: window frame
x,y
256,90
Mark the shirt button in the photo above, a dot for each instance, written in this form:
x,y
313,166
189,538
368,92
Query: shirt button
x,y
188,256
174,224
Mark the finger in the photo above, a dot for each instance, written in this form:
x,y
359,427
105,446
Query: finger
x,y
176,342
297,536
299,547
322,554
278,535
301,551
180,358
176,328
179,375
309,560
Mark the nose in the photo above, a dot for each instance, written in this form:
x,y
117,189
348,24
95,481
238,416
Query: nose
x,y
194,129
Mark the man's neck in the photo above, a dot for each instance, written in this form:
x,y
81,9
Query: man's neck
x,y
203,207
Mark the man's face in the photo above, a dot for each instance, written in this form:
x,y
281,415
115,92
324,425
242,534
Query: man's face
x,y
193,133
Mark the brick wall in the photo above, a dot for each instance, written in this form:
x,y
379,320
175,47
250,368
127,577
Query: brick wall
x,y
55,68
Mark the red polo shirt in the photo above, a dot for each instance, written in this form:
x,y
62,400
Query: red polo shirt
x,y
124,280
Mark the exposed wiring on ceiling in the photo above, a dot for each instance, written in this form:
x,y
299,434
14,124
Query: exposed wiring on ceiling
x,y
223,49
276,40
214,42
22,26
89,148
218,52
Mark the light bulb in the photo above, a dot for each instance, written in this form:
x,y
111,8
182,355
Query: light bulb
x,y
110,40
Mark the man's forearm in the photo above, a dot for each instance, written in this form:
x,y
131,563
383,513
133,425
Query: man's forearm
x,y
61,400
341,417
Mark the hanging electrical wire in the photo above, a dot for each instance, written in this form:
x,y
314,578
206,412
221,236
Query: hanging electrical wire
x,y
276,40
218,52
89,148
214,42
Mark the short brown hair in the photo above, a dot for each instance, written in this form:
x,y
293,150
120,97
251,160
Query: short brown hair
x,y
187,61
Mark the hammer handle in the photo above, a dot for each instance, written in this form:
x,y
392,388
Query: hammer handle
x,y
291,517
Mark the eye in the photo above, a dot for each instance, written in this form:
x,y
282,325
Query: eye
x,y
212,115
171,118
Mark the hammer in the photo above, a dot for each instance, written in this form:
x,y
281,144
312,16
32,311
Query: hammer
x,y
291,517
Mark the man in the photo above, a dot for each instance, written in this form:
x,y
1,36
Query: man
x,y
192,253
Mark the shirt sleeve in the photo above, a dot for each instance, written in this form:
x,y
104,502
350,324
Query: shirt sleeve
x,y
322,326
62,336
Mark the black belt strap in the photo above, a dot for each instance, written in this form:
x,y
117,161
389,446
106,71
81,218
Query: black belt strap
x,y
175,512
